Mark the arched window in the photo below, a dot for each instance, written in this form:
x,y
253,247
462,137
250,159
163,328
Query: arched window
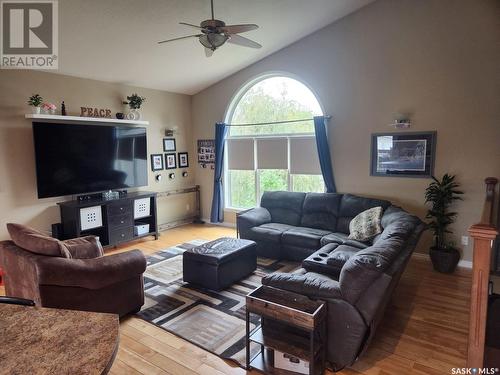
x,y
272,156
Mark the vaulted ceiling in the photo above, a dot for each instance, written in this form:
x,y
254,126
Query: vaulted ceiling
x,y
116,40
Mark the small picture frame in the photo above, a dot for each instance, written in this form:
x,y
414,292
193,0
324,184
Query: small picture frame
x,y
169,144
170,161
406,154
156,162
183,159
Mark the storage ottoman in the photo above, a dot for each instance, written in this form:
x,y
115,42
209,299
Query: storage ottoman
x,y
218,264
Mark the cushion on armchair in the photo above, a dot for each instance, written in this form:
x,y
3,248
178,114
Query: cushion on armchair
x,y
37,242
91,273
87,247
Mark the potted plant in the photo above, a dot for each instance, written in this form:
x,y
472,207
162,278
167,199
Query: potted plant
x,y
441,194
35,101
134,101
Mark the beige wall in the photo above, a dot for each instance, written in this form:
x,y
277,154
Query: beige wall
x,y
18,196
438,59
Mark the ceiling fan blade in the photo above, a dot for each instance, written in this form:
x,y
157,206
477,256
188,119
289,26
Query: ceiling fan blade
x,y
236,29
208,52
242,41
182,37
191,25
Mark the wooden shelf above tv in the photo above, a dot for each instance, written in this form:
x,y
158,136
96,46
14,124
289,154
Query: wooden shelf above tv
x,y
82,120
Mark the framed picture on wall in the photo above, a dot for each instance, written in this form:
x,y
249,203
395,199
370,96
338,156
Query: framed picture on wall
x,y
183,160
169,144
406,154
170,161
156,162
206,152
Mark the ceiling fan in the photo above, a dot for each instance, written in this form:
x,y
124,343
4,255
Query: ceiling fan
x,y
214,33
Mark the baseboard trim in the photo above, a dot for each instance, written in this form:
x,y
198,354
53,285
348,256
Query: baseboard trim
x,y
461,263
223,224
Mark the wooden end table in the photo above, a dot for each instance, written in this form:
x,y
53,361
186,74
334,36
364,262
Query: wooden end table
x,y
291,323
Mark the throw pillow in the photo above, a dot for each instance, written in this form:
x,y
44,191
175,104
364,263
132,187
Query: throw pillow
x,y
366,225
36,242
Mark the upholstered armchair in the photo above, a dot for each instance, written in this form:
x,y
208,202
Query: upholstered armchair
x,y
71,274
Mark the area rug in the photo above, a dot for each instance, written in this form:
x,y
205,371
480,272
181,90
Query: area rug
x,y
214,321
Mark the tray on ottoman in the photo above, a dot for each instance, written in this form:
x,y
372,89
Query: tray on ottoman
x,y
218,264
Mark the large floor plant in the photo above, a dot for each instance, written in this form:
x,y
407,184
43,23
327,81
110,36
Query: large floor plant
x,y
441,194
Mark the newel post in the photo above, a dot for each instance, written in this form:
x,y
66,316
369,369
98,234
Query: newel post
x,y
483,235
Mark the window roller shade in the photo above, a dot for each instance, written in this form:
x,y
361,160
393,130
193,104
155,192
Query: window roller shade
x,y
240,154
304,156
272,153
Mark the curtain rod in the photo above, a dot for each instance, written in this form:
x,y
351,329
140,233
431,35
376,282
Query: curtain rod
x,y
328,117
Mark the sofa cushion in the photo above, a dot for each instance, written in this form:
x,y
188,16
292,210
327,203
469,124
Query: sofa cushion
x,y
342,238
285,207
277,226
366,225
395,214
264,234
36,242
336,237
311,284
309,238
363,268
340,256
352,205
320,211
270,232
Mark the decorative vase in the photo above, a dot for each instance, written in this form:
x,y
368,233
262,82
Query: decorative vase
x,y
134,114
35,110
137,114
444,260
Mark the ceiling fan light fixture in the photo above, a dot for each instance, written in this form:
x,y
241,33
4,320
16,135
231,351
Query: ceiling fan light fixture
x,y
213,40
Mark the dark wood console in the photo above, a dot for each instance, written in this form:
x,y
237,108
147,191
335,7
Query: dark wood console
x,y
115,221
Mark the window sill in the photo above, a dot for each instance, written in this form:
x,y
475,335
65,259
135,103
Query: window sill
x,y
235,210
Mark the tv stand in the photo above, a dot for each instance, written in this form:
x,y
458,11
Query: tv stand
x,y
115,221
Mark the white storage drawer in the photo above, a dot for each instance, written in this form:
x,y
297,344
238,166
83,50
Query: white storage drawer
x,y
90,217
141,228
142,208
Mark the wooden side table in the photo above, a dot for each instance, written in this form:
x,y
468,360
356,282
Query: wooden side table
x,y
291,323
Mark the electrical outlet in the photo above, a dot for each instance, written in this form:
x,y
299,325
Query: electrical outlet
x,y
188,207
465,240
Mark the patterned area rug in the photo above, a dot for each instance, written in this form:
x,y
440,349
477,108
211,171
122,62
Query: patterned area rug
x,y
214,321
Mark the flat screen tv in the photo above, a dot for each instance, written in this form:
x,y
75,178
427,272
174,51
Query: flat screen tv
x,y
78,159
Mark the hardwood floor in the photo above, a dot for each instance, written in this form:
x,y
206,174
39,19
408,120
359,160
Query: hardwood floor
x,y
424,330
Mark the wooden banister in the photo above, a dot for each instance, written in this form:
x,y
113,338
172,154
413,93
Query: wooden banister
x,y
483,234
487,215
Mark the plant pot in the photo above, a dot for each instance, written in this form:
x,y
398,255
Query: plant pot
x,y
444,260
35,110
